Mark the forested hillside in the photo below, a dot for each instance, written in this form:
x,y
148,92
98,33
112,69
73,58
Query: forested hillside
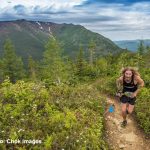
x,y
30,37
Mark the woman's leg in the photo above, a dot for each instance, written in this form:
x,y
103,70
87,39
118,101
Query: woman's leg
x,y
123,109
127,108
130,108
131,105
124,103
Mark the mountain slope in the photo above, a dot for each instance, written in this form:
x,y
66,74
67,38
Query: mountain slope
x,y
29,38
73,36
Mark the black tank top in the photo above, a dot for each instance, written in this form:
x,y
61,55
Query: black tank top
x,y
129,87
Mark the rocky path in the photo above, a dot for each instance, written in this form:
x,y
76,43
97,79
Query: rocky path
x,y
129,138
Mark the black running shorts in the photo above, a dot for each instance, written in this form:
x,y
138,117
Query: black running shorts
x,y
124,99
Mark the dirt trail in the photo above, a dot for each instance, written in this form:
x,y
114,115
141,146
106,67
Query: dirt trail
x,y
128,138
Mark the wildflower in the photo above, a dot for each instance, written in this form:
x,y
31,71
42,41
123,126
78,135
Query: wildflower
x,y
77,140
20,130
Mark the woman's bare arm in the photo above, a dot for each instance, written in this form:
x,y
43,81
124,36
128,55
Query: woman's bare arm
x,y
140,83
119,83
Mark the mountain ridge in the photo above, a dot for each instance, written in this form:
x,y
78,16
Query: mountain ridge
x,y
29,38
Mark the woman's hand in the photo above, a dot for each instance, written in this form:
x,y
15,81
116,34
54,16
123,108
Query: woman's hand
x,y
133,94
119,94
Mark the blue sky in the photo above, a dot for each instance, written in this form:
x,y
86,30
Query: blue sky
x,y
117,20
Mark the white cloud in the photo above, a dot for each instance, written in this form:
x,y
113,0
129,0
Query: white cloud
x,y
116,21
130,22
43,3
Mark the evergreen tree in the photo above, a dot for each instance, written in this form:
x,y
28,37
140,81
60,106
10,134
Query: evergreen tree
x,y
53,68
147,49
80,64
92,47
12,65
101,65
140,54
141,48
31,68
123,60
1,71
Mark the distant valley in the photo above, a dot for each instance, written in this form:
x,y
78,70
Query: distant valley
x,y
132,45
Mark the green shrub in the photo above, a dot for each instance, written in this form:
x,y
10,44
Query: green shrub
x,y
62,117
143,109
107,85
